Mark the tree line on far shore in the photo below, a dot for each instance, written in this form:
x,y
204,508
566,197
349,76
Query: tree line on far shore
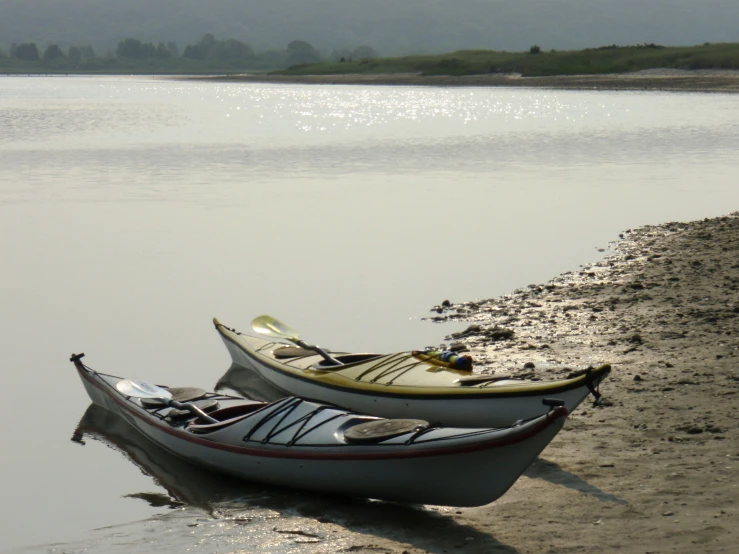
x,y
207,55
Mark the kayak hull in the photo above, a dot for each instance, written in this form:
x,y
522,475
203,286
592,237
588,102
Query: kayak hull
x,y
443,401
442,466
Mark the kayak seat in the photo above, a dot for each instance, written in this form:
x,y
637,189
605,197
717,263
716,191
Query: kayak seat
x,y
226,416
286,352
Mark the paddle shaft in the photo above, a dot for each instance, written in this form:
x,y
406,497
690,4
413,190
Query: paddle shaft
x,y
190,408
271,327
325,355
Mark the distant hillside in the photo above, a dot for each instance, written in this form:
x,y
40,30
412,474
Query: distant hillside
x,y
536,63
391,27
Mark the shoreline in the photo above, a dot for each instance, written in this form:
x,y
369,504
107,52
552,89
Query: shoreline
x,y
654,468
720,81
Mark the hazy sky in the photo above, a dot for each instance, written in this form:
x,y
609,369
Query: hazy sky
x,y
389,26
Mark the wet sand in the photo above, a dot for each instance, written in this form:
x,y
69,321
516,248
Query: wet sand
x,y
726,81
656,467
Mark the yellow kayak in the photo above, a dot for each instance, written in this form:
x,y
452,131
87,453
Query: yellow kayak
x,y
402,384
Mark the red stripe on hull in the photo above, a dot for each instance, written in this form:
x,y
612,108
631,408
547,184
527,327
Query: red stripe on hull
x,y
550,418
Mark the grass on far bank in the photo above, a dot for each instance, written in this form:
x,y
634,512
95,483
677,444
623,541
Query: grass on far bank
x,y
591,61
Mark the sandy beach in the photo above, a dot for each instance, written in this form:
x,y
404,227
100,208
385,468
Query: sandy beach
x,y
726,81
654,468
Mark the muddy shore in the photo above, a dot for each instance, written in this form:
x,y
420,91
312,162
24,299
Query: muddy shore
x,y
655,468
726,81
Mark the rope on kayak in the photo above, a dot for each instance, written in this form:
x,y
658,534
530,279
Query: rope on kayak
x,y
394,364
472,433
299,435
388,360
588,383
595,392
406,370
289,406
399,370
267,346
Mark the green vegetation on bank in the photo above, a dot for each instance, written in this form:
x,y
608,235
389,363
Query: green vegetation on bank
x,y
212,56
537,62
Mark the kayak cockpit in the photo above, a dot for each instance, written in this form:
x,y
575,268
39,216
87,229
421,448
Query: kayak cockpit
x,y
287,354
346,359
226,416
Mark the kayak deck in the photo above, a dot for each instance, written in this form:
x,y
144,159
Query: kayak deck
x,y
401,369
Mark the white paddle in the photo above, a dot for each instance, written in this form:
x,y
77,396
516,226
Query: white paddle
x,y
142,389
271,327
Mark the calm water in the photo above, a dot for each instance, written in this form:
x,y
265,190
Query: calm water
x,y
133,210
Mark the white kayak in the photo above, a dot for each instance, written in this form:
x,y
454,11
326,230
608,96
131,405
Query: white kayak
x,y
314,446
400,385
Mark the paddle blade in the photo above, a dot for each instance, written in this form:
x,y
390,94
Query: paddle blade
x,y
142,389
269,326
